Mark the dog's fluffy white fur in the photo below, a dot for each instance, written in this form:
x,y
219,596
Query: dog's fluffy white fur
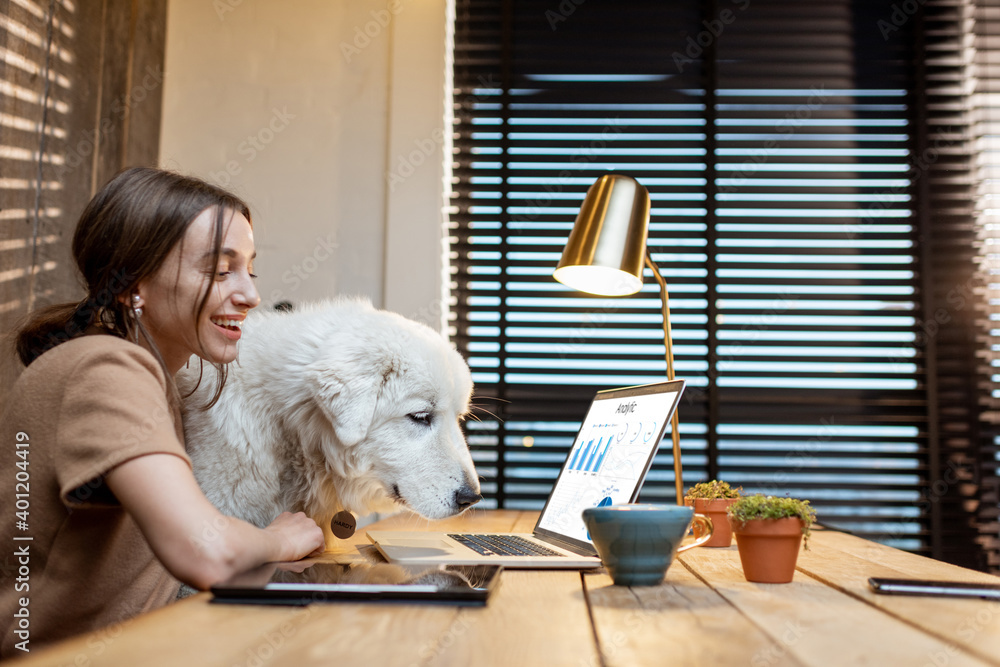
x,y
334,406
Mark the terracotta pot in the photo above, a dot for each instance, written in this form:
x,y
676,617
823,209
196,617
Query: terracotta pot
x,y
715,509
769,548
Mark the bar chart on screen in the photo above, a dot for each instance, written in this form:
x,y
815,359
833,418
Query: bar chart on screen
x,y
590,452
611,448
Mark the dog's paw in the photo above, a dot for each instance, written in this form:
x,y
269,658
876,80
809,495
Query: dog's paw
x,y
185,591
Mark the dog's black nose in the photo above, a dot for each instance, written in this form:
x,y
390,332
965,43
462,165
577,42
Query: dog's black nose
x,y
466,497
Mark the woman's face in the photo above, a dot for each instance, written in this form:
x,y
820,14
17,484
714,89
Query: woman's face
x,y
170,297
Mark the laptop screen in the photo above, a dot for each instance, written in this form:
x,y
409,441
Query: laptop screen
x,y
610,458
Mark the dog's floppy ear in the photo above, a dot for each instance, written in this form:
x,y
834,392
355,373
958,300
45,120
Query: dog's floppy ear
x,y
346,389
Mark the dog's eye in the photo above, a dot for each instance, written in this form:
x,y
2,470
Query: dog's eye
x,y
421,417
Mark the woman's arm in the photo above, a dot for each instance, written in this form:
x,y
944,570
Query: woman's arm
x,y
195,542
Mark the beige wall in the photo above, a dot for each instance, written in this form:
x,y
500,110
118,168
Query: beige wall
x,y
328,117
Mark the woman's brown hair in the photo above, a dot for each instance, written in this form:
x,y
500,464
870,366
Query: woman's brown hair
x,y
123,236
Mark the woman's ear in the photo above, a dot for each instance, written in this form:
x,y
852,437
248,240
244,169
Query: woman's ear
x,y
132,298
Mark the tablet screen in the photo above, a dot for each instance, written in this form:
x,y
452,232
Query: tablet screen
x,y
305,582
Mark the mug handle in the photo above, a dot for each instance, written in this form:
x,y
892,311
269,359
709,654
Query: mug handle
x,y
703,522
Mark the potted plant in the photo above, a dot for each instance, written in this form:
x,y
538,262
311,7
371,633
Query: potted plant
x,y
713,500
768,533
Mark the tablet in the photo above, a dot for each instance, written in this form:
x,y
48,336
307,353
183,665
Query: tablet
x,y
305,582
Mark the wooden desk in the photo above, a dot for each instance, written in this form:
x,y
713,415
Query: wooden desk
x,y
704,614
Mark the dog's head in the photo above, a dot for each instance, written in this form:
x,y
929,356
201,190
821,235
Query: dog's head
x,y
394,393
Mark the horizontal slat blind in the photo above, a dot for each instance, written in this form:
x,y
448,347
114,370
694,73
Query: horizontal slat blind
x,y
953,327
79,100
556,113
817,373
24,96
34,88
985,492
779,144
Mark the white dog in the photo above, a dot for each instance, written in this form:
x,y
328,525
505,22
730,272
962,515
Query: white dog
x,y
335,406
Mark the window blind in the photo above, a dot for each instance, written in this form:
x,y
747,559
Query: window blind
x,y
780,142
27,105
80,86
954,330
984,77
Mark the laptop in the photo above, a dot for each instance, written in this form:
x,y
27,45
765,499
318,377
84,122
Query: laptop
x,y
606,465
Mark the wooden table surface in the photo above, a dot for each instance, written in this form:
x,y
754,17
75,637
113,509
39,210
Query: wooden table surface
x,y
705,613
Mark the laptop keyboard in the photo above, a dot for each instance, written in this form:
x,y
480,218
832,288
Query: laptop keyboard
x,y
502,545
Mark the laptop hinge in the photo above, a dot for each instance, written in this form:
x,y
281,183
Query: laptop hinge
x,y
568,546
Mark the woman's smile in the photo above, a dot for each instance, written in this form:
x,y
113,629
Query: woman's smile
x,y
231,326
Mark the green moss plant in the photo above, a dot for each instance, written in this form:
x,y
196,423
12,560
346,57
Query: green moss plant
x,y
713,490
758,506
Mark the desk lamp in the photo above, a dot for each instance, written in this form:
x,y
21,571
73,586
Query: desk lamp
x,y
604,255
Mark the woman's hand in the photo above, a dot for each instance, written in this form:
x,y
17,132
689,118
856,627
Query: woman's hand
x,y
196,542
299,535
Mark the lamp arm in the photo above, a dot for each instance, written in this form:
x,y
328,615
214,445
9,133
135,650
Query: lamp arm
x,y
665,305
669,350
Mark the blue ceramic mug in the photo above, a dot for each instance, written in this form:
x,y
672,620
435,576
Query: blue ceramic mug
x,y
637,543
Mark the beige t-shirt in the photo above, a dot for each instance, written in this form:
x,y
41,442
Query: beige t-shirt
x,y
78,411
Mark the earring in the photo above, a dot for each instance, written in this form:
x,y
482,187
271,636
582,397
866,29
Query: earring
x,y
137,312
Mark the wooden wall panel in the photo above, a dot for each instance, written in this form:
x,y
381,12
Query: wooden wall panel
x,y
114,75
70,118
66,166
144,99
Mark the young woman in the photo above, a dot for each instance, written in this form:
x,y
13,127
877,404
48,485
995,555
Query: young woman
x,y
108,516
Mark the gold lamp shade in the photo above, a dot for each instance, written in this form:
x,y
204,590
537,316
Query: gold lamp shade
x,y
605,252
